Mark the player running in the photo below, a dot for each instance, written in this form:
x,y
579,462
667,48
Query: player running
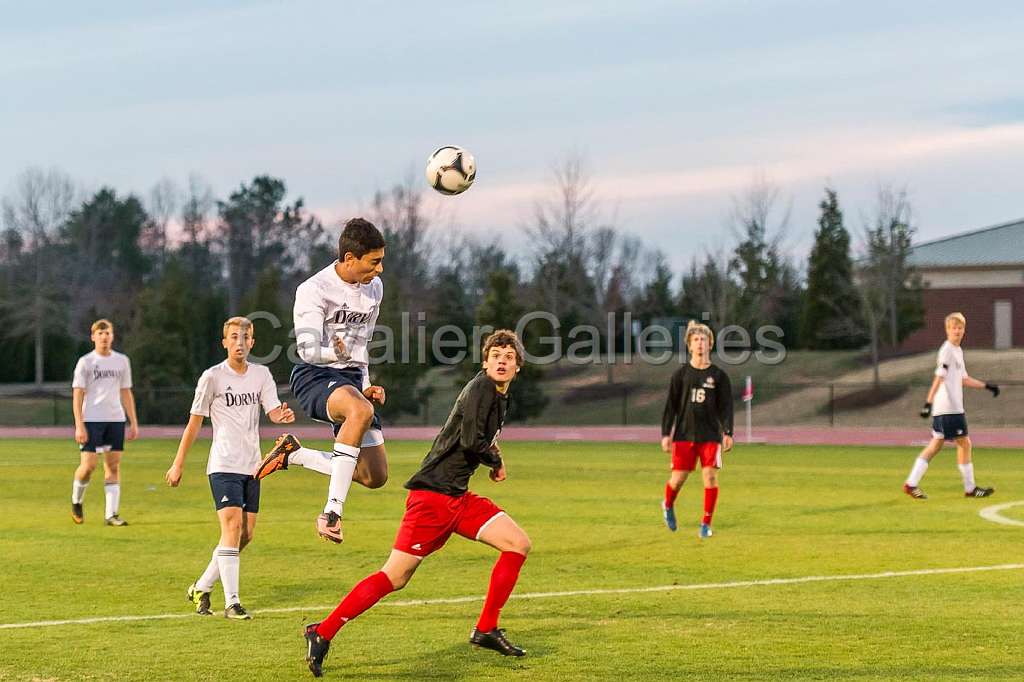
x,y
101,397
230,394
335,312
439,504
696,424
945,405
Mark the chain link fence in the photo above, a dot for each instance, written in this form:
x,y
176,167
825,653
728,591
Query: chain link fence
x,y
779,404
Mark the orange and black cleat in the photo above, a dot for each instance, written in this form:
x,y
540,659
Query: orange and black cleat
x,y
77,515
277,458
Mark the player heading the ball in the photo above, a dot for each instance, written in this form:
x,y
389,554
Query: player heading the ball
x,y
945,406
335,313
230,394
440,504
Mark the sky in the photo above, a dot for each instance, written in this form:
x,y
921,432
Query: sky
x,y
675,107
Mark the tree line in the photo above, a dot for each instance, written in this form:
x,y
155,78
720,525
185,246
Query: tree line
x,y
169,266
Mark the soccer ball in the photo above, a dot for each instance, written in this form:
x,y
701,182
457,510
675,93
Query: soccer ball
x,y
451,170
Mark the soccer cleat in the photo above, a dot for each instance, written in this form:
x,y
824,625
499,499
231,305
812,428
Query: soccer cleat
x,y
277,458
115,520
77,513
316,649
236,612
496,640
980,492
328,527
705,530
200,599
916,492
669,515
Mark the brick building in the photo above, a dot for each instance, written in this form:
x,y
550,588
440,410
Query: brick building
x,y
979,273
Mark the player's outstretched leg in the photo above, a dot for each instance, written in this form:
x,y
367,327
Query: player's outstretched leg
x,y
277,458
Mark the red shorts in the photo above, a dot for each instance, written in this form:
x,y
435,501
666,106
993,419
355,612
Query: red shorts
x,y
431,518
685,454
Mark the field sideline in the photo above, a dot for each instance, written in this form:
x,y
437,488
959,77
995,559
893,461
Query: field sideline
x,y
820,569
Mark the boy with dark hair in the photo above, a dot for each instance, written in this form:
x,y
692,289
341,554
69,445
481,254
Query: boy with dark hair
x,y
440,504
335,312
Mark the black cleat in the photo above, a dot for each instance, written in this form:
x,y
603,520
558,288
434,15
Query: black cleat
x,y
236,612
77,513
316,649
980,492
495,639
200,599
116,520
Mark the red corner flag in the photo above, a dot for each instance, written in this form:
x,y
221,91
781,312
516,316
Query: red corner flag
x,y
748,390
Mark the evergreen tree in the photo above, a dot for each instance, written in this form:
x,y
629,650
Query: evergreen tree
x,y
831,308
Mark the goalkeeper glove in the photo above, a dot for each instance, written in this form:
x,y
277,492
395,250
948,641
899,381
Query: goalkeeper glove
x,y
992,387
926,411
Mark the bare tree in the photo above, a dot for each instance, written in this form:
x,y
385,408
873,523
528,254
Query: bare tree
x,y
162,205
38,206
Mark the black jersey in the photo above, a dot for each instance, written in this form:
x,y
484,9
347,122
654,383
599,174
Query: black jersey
x,y
699,405
465,440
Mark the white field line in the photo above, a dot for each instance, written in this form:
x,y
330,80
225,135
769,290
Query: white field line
x,y
552,595
994,514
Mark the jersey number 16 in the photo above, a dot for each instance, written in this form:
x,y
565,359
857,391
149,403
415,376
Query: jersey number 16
x,y
696,395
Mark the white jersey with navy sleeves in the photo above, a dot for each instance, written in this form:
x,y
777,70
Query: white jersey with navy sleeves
x,y
949,399
232,401
102,377
327,307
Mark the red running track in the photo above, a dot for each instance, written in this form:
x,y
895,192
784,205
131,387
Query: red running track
x,y
782,435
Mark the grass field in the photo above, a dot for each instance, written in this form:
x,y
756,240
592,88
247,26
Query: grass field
x,y
591,510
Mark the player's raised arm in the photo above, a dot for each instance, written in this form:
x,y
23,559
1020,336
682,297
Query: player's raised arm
x,y
309,317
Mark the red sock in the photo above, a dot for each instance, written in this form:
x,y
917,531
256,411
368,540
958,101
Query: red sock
x,y
710,499
503,580
670,495
371,590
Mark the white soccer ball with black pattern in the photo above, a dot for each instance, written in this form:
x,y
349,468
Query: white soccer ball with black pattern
x,y
451,170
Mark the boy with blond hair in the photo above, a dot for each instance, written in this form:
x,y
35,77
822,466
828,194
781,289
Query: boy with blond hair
x,y
230,394
945,405
101,399
696,424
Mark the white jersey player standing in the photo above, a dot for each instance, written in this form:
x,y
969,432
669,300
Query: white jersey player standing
x,y
335,313
101,399
945,405
230,394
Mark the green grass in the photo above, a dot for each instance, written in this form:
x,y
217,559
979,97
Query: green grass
x,y
591,510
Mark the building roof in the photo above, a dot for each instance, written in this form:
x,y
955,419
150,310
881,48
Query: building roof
x,y
996,245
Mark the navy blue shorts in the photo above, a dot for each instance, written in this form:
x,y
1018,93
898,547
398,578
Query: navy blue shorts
x,y
312,386
104,437
949,426
235,490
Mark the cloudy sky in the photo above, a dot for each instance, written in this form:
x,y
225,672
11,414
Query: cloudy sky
x,y
676,106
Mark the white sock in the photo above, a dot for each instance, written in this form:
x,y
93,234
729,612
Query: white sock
x,y
227,562
314,460
210,576
967,473
78,491
343,467
917,473
112,492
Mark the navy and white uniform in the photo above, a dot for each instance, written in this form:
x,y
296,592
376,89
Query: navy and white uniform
x,y
327,307
102,377
949,421
232,401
